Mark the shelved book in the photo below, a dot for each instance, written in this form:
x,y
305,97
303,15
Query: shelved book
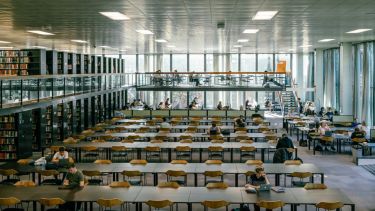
x,y
8,136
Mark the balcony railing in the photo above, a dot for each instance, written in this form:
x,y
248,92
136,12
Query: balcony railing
x,y
213,79
20,90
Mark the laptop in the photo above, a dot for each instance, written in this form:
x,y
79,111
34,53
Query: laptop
x,y
265,187
63,163
328,133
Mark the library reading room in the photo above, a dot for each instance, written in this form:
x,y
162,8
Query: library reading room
x,y
187,105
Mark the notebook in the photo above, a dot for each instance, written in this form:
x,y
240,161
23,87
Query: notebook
x,y
278,189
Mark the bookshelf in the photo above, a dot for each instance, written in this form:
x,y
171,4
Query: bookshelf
x,y
8,137
69,119
62,61
78,115
99,65
60,122
70,63
105,64
78,63
36,128
49,125
86,64
22,62
93,64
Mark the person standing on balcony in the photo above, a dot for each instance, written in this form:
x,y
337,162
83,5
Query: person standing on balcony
x,y
268,79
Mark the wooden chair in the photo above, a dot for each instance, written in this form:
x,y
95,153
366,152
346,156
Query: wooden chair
x,y
153,153
138,162
134,137
89,153
123,184
217,185
240,129
186,141
213,162
217,141
180,177
292,162
194,123
128,141
314,186
109,203
12,204
95,177
183,152
164,130
213,177
254,162
161,137
98,141
119,153
143,130
358,140
248,175
184,137
183,162
242,137
270,204
326,141
250,141
52,202
301,176
174,185
133,177
151,122
247,151
191,129
215,152
156,141
216,137
158,204
216,204
329,205
263,129
49,177
25,183
103,162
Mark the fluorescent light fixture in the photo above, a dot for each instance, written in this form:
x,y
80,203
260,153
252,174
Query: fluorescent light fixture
x,y
104,46
4,42
250,31
117,16
326,40
160,40
291,49
357,31
144,31
38,46
305,46
79,41
171,46
123,50
6,47
237,46
40,32
242,40
265,15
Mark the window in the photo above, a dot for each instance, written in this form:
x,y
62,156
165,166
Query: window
x,y
196,62
248,63
130,63
141,63
265,63
210,62
179,100
283,57
234,62
166,66
179,62
331,78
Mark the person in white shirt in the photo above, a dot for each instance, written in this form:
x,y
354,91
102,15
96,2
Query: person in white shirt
x,y
323,128
61,154
165,124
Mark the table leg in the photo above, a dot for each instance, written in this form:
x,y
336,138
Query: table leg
x,y
314,146
76,154
169,155
189,206
34,205
277,179
231,155
195,179
352,207
91,205
155,179
297,134
322,178
200,155
139,153
296,151
236,180
262,154
79,154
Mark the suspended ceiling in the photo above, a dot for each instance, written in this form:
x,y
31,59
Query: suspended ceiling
x,y
189,25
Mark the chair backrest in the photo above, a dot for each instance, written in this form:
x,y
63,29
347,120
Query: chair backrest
x,y
102,161
109,202
215,204
217,141
186,141
254,162
249,173
48,173
215,148
127,141
314,186
48,202
118,148
91,173
301,174
8,172
217,185
152,149
123,184
213,162
246,141
175,173
131,173
292,162
183,137
168,185
213,173
179,162
329,205
25,183
270,204
359,140
89,148
159,203
183,149
10,201
248,148
156,141
138,162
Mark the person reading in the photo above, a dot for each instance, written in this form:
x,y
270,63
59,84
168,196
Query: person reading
x,y
256,180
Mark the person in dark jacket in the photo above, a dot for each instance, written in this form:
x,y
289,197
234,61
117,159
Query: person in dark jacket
x,y
285,142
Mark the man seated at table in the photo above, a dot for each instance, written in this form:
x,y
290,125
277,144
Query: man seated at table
x,y
240,122
357,134
285,142
74,179
323,129
214,130
165,124
257,179
60,155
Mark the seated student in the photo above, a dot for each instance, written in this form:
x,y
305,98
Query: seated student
x,y
357,134
363,127
61,154
166,104
214,130
285,142
219,106
321,112
160,106
329,114
323,128
74,179
240,122
256,180
165,124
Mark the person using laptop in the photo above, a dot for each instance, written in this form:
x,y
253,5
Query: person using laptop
x,y
256,180
74,179
62,154
214,130
323,128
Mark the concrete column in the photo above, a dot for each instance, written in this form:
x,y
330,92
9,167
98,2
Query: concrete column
x,y
346,79
318,78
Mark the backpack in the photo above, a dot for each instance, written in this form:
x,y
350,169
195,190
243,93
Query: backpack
x,y
302,143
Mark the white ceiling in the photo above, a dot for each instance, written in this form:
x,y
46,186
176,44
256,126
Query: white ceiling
x,y
190,25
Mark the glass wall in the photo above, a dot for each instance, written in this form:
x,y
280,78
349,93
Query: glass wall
x,y
331,78
196,62
130,63
179,62
265,63
248,63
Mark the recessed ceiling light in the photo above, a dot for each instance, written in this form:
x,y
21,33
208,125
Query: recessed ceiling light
x,y
4,42
40,32
6,47
237,46
115,16
326,40
123,50
242,40
358,31
160,40
250,31
171,46
291,49
104,46
79,41
265,15
305,46
38,46
144,31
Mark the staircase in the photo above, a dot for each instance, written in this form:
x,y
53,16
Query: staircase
x,y
289,102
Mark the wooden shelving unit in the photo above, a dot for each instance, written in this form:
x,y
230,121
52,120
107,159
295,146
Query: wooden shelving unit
x,y
49,125
22,62
8,137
